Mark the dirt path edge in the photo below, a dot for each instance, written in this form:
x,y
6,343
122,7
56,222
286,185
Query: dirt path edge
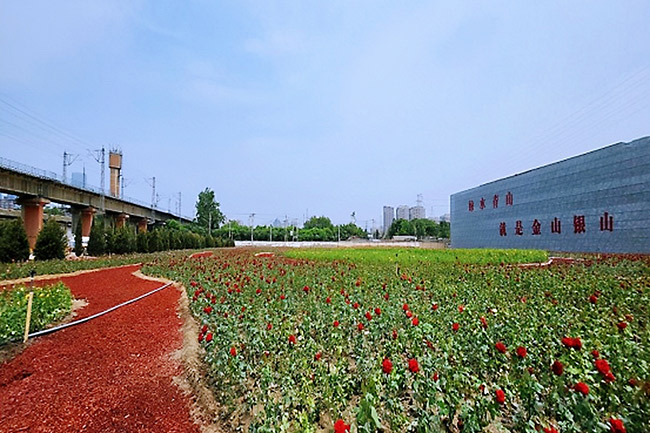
x,y
205,409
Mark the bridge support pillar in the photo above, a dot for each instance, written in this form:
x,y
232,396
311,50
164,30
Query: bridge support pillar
x,y
32,213
142,225
120,220
87,216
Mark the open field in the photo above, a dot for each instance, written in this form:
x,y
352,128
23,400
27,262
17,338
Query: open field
x,y
421,341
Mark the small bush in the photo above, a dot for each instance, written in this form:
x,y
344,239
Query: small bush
x,y
97,241
78,241
51,242
13,241
50,303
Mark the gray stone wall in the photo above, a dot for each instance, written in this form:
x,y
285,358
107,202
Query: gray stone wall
x,y
608,185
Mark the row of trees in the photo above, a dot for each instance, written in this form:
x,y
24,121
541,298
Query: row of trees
x,y
421,228
123,240
315,229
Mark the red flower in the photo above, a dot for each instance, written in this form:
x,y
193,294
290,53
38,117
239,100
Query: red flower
x,y
269,326
305,289
207,309
368,315
558,368
414,366
292,339
409,314
595,354
233,351
435,376
550,429
360,326
377,311
258,291
208,338
328,300
435,307
455,327
461,308
386,296
484,323
204,329
593,299
582,388
318,356
355,305
616,425
405,307
621,325
394,334
602,366
193,284
341,427
500,347
387,366
200,338
574,343
500,396
336,323
283,297
415,321
521,352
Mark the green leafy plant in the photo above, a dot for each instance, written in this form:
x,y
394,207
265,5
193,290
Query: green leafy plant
x,y
51,242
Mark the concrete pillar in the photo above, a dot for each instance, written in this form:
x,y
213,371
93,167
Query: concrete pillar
x,y
87,215
32,213
142,225
120,220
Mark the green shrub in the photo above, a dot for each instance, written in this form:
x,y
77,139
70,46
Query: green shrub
x,y
78,241
13,241
143,241
50,303
123,241
51,242
97,242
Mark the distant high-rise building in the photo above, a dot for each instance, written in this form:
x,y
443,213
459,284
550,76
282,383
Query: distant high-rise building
x,y
446,217
79,180
417,212
402,212
389,217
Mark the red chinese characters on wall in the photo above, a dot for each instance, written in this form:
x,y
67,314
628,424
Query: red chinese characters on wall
x,y
495,202
537,227
579,224
556,226
606,222
519,228
502,229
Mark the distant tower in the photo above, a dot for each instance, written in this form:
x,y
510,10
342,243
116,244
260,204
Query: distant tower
x,y
115,164
402,212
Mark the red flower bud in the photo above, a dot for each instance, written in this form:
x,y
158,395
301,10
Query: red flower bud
x,y
500,347
616,425
455,327
414,366
500,396
521,352
387,366
558,368
582,388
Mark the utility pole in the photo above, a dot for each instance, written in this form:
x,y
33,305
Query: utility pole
x,y
286,225
100,158
271,233
67,161
179,206
252,223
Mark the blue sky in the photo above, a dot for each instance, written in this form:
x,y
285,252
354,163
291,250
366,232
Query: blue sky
x,y
325,108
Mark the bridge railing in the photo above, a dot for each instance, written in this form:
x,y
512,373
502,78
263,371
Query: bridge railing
x,y
52,176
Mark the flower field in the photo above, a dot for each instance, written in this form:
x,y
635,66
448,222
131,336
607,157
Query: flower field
x,y
393,341
50,303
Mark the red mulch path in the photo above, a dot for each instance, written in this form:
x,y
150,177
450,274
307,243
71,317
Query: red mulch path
x,y
112,374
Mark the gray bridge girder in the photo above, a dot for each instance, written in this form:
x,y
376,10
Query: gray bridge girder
x,y
25,185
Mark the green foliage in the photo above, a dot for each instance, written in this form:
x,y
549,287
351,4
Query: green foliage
x,y
78,242
422,228
123,240
13,241
97,242
142,242
51,242
50,303
207,210
321,222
